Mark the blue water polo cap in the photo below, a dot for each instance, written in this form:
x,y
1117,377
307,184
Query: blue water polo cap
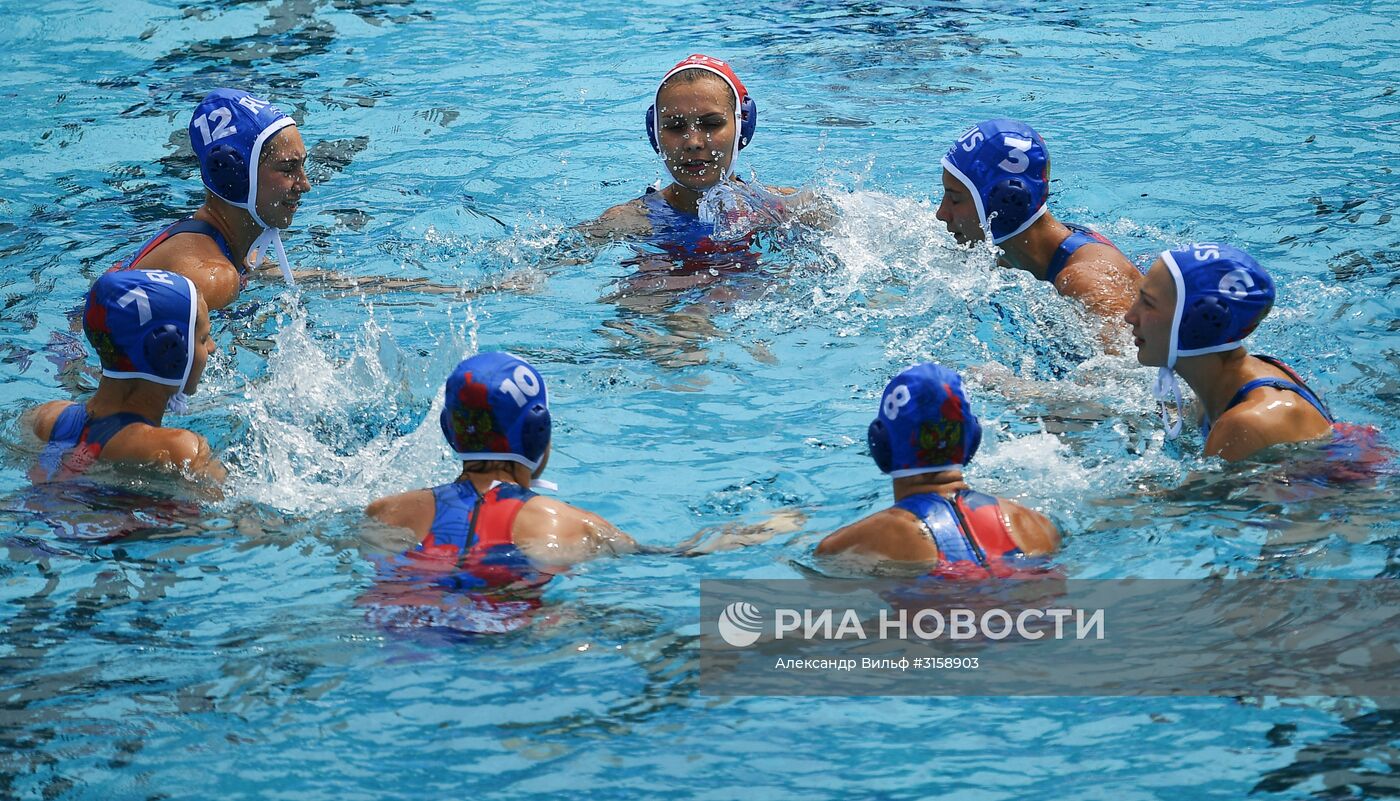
x,y
925,424
228,131
496,408
1221,296
1004,165
141,323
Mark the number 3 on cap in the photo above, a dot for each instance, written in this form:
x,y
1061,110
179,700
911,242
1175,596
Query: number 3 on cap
x,y
1016,159
895,401
523,384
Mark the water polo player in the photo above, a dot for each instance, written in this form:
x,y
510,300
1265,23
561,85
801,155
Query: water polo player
x,y
923,435
996,181
252,161
486,528
1192,314
700,118
150,329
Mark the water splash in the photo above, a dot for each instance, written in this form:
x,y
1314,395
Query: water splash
x,y
330,431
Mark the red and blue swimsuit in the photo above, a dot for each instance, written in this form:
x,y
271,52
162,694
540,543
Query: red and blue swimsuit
x,y
969,530
469,545
76,442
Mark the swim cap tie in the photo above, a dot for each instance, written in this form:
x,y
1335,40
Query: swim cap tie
x,y
1006,168
925,424
179,403
1166,388
227,131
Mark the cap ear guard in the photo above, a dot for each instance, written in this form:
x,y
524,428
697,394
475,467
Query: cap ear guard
x,y
651,128
1205,322
228,171
166,349
534,432
748,121
445,422
1011,201
877,438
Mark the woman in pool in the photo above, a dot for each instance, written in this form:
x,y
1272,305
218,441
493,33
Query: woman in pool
x,y
487,529
252,161
150,329
923,436
693,251
1192,313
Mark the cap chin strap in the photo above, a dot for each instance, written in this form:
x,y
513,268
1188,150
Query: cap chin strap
x,y
256,251
179,403
1166,388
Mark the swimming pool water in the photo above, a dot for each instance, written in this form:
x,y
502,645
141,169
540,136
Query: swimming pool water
x,y
223,653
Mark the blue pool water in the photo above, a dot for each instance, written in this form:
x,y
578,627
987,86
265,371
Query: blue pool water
x,y
221,653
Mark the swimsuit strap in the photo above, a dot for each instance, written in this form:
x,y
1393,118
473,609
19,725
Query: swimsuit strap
x,y
1079,237
68,428
941,523
983,518
189,225
656,204
454,517
1295,385
100,430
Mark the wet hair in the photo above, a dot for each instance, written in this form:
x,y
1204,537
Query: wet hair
x,y
695,75
482,466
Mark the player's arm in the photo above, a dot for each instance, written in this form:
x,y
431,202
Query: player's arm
x,y
1033,532
1252,427
808,207
623,220
188,454
891,534
553,533
200,260
408,516
1095,275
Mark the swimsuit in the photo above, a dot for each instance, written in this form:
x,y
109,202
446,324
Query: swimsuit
x,y
470,538
685,236
1078,238
77,440
969,530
